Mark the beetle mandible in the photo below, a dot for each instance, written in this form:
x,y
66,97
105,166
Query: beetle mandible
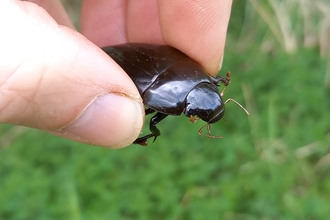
x,y
171,83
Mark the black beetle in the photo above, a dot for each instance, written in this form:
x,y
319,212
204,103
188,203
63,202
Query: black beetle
x,y
171,83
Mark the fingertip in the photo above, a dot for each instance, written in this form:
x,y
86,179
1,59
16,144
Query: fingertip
x,y
202,24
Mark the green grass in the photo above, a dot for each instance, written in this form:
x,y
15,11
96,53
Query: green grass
x,y
273,164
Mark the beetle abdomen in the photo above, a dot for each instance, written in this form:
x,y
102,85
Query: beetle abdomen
x,y
144,62
163,75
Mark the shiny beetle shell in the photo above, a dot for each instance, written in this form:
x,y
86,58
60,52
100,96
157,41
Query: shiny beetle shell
x,y
170,83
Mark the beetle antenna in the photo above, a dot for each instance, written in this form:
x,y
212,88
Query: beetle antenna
x,y
209,135
228,100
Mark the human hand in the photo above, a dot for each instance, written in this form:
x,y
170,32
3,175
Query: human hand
x,y
54,79
197,28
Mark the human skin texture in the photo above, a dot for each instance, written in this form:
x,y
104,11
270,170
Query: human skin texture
x,y
56,79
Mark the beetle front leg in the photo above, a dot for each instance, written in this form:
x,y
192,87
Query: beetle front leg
x,y
224,80
155,132
149,111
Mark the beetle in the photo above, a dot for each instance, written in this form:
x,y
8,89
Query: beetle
x,y
171,83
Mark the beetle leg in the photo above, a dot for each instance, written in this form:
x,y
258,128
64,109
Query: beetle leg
x,y
149,111
223,91
224,80
193,119
218,79
209,135
155,132
153,121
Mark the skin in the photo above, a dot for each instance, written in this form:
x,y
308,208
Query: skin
x,y
56,79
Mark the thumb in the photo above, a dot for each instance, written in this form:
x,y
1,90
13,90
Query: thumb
x,y
54,79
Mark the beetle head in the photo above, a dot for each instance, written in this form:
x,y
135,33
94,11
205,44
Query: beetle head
x,y
205,102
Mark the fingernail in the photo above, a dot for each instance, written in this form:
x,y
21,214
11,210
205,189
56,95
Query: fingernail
x,y
111,120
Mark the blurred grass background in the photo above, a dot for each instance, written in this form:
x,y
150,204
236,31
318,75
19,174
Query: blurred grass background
x,y
273,164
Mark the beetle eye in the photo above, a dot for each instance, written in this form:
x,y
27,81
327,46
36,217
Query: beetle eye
x,y
205,102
